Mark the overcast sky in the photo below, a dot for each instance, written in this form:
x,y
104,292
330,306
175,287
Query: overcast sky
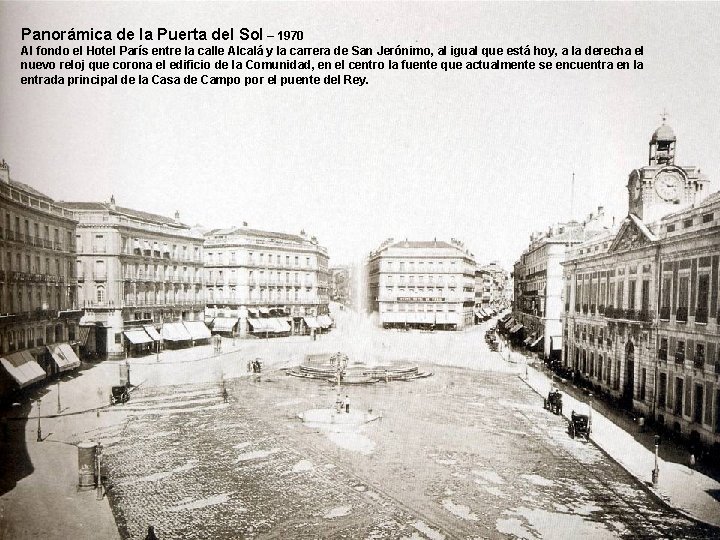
x,y
485,157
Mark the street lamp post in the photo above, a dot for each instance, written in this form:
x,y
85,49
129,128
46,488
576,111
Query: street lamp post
x,y
58,394
39,431
656,470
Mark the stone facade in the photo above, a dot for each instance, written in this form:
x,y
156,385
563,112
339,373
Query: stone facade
x,y
38,290
134,269
422,284
253,275
641,301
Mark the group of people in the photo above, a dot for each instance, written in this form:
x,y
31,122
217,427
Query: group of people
x,y
342,404
254,366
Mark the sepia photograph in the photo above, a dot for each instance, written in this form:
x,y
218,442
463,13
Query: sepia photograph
x,y
359,270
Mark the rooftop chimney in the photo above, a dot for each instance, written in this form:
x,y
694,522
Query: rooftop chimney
x,y
112,202
177,216
4,172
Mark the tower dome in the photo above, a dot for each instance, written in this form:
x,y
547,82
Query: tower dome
x,y
663,133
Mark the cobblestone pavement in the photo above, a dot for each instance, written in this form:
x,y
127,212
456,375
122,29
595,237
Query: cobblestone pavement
x,y
462,454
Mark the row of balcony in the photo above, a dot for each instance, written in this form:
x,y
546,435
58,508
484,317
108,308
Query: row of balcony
x,y
12,276
681,313
38,314
263,301
35,241
144,303
698,360
197,280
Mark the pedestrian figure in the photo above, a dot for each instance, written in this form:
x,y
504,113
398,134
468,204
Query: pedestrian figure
x,y
225,394
692,461
249,366
347,404
151,533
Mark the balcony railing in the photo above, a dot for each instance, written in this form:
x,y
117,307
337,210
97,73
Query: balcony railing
x,y
679,357
592,309
585,308
681,315
701,315
699,361
601,309
665,313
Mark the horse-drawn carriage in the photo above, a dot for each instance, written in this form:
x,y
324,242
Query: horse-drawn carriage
x,y
553,402
579,425
119,394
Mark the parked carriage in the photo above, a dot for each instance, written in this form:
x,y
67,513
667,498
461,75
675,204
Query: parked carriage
x,y
119,394
579,425
553,402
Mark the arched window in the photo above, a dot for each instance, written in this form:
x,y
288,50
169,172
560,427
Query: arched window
x,y
101,295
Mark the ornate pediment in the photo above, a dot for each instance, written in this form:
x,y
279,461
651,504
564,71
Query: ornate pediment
x,y
633,234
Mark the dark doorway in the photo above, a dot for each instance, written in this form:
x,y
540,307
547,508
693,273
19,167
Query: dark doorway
x,y
678,396
698,408
629,385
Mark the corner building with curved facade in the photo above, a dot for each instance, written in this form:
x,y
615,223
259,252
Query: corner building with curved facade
x,y
641,312
265,283
422,284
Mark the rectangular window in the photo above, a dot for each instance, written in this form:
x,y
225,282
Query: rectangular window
x,y
707,218
671,228
701,314
645,296
631,294
688,223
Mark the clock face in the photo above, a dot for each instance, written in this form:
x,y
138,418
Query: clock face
x,y
667,186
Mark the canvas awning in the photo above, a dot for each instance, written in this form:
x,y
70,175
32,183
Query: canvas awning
x,y
556,343
264,311
252,311
137,336
175,331
224,324
281,325
22,367
64,356
260,325
197,329
84,334
325,321
516,328
538,340
311,322
152,332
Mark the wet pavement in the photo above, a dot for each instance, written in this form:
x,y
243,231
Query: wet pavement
x,y
462,454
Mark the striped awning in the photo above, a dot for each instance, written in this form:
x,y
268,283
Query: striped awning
x,y
224,324
22,367
197,329
137,336
64,356
152,332
311,322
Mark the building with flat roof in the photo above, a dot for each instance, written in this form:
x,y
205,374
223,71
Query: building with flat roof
x,y
39,314
422,284
642,316
140,276
266,283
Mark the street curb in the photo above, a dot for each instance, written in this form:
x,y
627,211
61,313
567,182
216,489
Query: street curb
x,y
648,489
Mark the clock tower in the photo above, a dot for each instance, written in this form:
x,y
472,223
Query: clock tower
x,y
661,187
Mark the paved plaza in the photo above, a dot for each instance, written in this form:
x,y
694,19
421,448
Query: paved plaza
x,y
466,453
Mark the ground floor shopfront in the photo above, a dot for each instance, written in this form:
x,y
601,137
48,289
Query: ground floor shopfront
x,y
268,320
119,333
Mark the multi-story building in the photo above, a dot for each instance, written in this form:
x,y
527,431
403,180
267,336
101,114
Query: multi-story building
x,y
422,284
267,283
340,284
39,317
642,319
138,273
538,283
491,283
